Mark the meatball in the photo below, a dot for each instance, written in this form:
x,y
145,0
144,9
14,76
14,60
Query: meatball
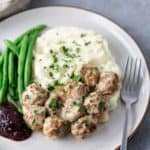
x,y
55,127
95,103
108,83
72,110
34,116
83,127
53,105
90,75
34,95
76,90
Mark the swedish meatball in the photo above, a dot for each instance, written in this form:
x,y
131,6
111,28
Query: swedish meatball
x,y
34,116
83,127
76,90
108,83
72,110
93,103
55,127
90,75
34,95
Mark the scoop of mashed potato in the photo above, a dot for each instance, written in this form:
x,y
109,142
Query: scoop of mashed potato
x,y
62,51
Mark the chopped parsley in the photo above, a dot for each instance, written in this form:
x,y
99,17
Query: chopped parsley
x,y
65,66
57,83
66,52
99,42
74,42
50,87
54,104
102,106
55,67
78,50
50,74
87,43
33,122
82,35
55,58
77,77
82,108
36,112
51,51
44,67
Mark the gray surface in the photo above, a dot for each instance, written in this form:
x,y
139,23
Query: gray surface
x,y
134,17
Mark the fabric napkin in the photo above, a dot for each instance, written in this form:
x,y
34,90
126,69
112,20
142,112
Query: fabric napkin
x,y
8,7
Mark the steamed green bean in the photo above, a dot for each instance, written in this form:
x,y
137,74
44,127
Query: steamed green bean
x,y
12,47
28,64
4,87
32,30
21,65
1,70
11,69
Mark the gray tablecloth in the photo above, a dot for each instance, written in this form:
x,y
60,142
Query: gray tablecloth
x,y
134,17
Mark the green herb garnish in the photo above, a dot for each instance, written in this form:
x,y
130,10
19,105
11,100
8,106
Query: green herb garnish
x,y
55,67
74,42
102,106
78,50
51,51
87,43
50,74
55,59
83,35
77,77
36,112
65,51
33,122
82,108
50,87
57,83
54,103
65,66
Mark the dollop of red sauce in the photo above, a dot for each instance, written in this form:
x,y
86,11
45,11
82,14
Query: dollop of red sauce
x,y
12,125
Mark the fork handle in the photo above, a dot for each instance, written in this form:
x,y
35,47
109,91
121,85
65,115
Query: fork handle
x,y
125,129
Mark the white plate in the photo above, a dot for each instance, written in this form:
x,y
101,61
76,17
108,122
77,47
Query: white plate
x,y
108,136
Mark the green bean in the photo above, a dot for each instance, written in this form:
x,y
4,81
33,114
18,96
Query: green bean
x,y
3,90
28,63
1,70
21,65
11,69
1,59
12,47
37,28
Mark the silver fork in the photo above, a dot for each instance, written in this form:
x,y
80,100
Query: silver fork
x,y
130,91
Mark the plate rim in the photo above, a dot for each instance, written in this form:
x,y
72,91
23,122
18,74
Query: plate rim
x,y
114,23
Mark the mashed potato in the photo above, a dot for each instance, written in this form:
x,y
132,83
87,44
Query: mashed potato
x,y
63,50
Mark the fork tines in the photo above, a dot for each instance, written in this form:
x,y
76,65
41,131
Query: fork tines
x,y
133,73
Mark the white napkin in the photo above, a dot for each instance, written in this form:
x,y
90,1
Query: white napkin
x,y
8,7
